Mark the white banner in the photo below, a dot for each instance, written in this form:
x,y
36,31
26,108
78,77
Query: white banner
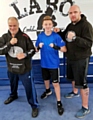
x,y
31,12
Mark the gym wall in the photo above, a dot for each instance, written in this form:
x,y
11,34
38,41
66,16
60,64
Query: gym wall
x,y
30,14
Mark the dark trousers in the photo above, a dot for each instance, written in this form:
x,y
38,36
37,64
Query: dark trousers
x,y
28,84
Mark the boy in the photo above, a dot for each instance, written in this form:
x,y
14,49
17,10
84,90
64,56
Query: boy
x,y
49,43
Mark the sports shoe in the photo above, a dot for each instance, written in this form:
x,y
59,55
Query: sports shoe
x,y
82,112
34,112
60,109
46,94
71,95
10,99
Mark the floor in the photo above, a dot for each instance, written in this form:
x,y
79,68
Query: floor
x,y
21,110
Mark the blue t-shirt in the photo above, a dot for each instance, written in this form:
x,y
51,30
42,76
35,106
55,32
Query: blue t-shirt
x,y
49,56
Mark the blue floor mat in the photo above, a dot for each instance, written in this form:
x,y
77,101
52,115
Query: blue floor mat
x,y
21,110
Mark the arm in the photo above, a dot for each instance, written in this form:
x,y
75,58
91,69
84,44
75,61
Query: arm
x,y
87,37
30,48
62,44
56,47
59,44
4,46
63,49
61,33
38,44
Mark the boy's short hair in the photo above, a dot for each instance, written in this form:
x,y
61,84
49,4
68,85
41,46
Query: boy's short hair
x,y
47,18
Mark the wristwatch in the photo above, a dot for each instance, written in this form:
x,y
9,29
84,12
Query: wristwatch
x,y
73,38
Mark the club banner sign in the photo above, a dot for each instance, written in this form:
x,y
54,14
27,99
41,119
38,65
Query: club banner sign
x,y
37,10
30,13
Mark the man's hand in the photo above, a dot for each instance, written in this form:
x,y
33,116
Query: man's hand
x,y
56,30
20,56
70,35
13,41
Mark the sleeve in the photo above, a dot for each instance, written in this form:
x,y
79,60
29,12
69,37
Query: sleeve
x,y
4,46
87,37
37,41
30,47
62,34
60,41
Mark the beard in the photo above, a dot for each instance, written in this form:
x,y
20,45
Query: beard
x,y
77,20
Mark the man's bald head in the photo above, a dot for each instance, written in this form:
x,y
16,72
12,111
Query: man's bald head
x,y
74,7
74,13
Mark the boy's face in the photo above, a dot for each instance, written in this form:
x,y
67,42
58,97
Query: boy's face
x,y
47,25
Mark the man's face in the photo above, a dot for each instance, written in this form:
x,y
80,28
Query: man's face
x,y
74,14
47,25
13,26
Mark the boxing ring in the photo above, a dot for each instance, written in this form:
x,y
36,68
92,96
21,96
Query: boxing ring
x,y
36,70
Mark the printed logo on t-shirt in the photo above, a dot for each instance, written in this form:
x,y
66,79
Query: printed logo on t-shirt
x,y
14,51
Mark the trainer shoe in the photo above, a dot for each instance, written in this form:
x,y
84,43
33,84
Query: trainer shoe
x,y
60,109
34,112
10,99
71,95
82,112
46,94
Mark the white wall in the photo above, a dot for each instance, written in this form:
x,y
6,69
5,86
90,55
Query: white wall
x,y
31,20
